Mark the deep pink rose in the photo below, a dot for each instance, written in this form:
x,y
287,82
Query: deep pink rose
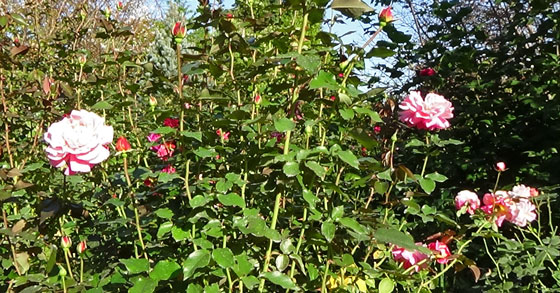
x,y
168,169
468,198
153,137
499,205
430,113
409,258
78,142
441,251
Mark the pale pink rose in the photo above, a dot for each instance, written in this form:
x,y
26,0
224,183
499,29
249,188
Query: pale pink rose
x,y
441,251
521,192
501,166
78,142
469,198
522,212
430,113
409,258
153,137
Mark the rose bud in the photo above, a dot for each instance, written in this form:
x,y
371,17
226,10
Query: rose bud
x,y
152,102
122,144
385,16
427,72
119,6
258,99
65,242
500,166
178,32
81,247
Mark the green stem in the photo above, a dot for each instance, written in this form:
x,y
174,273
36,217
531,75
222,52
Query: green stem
x,y
326,273
139,231
81,269
63,278
273,227
68,263
492,258
187,188
426,158
497,180
180,86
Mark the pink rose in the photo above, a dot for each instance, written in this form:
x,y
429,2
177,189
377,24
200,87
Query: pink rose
x,y
441,251
500,166
78,142
469,198
153,137
521,192
409,258
427,72
171,122
430,113
168,169
522,212
499,204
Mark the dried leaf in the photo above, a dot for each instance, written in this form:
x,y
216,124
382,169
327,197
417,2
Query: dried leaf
x,y
18,227
19,50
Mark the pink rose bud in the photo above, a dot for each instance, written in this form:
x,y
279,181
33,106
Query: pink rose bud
x,y
258,99
122,144
229,16
427,72
81,247
377,129
500,166
341,75
65,242
333,98
82,60
119,6
385,16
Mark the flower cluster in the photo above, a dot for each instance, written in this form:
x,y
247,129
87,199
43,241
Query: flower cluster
x,y
514,206
430,113
419,260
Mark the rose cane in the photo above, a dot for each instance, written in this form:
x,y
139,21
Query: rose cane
x,y
178,33
62,274
123,146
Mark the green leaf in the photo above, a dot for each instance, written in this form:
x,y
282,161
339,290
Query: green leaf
x,y
374,116
203,152
164,213
250,282
349,158
198,201
351,8
165,270
386,286
164,228
231,199
179,234
143,285
135,266
102,105
242,265
195,260
337,213
282,262
324,80
223,186
346,113
310,198
284,124
310,63
280,279
381,187
364,139
380,52
352,224
317,168
428,185
194,288
328,229
396,237
223,257
214,288
164,130
291,169
195,135
344,98
436,177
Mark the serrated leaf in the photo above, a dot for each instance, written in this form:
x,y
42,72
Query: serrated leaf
x,y
231,199
165,270
280,279
346,113
284,124
102,105
223,257
374,116
143,285
310,63
317,168
428,185
328,230
291,168
135,266
349,158
437,177
352,224
324,80
195,135
195,260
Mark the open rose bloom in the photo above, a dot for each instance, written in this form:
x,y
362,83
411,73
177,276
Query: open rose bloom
x,y
468,198
78,142
513,206
430,113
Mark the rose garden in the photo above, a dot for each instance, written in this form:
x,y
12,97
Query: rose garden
x,y
246,146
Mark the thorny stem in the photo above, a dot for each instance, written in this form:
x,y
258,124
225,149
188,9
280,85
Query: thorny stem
x,y
136,216
180,86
